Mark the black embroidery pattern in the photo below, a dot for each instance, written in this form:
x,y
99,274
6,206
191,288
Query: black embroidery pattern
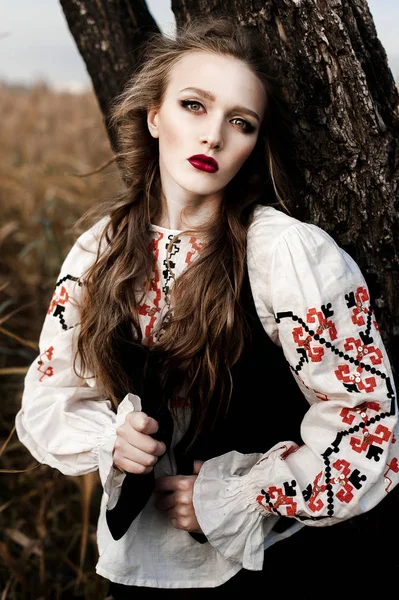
x,y
168,268
60,299
348,479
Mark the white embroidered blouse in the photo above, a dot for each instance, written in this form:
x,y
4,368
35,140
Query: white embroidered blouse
x,y
312,301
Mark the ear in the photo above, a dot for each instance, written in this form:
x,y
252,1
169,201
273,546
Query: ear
x,y
152,122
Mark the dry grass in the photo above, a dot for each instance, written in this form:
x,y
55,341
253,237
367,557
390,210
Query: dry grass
x,y
47,520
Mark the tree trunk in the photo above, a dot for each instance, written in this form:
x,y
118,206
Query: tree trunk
x,y
109,34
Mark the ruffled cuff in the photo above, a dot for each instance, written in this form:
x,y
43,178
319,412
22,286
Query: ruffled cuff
x,y
112,478
227,508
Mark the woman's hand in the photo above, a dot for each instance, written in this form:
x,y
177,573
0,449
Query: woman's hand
x,y
175,499
135,451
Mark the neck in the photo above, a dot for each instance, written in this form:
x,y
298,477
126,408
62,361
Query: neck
x,y
179,216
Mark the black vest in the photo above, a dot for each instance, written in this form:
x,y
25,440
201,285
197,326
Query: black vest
x,y
266,407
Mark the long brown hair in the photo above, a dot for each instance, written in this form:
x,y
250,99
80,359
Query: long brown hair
x,y
204,332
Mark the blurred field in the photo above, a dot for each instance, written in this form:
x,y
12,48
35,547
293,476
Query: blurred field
x,y
47,520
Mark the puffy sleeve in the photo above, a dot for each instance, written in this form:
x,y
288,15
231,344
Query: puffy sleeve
x,y
63,420
314,303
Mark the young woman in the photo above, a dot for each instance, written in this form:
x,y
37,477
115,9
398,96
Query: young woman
x,y
207,347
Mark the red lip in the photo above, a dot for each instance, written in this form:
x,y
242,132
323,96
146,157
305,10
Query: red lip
x,y
204,163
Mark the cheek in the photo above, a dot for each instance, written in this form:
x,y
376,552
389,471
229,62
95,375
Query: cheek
x,y
242,154
167,142
170,136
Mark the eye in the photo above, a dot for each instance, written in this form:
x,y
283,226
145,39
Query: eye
x,y
246,127
191,103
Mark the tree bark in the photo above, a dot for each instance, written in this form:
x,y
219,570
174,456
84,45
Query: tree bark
x,y
109,35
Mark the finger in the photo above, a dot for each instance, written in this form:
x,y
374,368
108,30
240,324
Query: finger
x,y
124,450
142,458
183,523
139,440
148,444
140,421
165,501
173,483
197,466
168,500
187,523
132,467
166,484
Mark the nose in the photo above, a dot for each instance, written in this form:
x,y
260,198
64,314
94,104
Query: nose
x,y
214,136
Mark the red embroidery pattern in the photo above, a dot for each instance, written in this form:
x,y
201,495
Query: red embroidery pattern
x,y
363,351
348,414
313,316
394,467
315,354
152,310
278,499
324,324
360,309
46,356
196,247
343,480
344,374
316,504
61,298
381,435
345,494
354,377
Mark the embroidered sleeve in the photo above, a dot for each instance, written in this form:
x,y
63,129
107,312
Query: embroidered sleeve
x,y
63,421
326,326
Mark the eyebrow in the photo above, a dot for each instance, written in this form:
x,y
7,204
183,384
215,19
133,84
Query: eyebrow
x,y
211,97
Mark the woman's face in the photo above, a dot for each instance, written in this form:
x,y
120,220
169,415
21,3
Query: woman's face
x,y
213,106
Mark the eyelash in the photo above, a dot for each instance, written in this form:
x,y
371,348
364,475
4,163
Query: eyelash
x,y
249,128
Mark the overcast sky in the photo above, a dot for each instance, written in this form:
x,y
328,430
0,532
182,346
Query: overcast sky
x,y
36,42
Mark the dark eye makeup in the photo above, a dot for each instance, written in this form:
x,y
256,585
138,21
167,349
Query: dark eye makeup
x,y
247,128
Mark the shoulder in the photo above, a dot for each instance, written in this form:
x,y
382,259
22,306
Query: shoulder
x,y
265,217
273,231
90,239
86,248
267,225
290,260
